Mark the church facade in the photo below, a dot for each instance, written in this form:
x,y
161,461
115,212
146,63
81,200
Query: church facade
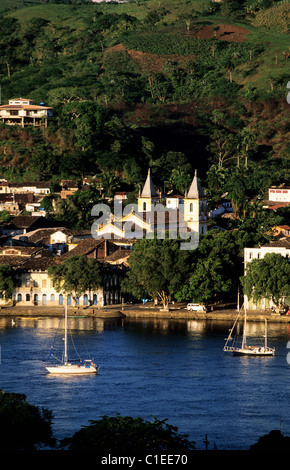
x,y
150,216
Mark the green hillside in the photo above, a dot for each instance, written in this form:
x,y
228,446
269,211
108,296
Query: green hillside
x,y
146,83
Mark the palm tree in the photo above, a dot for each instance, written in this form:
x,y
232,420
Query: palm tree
x,y
109,183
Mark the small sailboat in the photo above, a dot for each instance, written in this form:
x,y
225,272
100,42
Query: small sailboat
x,y
244,349
66,367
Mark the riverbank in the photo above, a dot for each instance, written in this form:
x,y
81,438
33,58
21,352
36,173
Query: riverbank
x,y
176,311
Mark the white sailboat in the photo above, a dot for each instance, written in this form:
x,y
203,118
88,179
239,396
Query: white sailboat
x,y
66,367
245,349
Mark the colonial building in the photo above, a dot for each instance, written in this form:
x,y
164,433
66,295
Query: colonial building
x,y
23,112
151,216
36,288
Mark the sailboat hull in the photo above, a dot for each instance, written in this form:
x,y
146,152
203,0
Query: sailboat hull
x,y
253,352
72,369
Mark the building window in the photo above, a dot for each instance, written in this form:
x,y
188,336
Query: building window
x,y
19,298
60,299
13,112
27,298
144,206
43,282
191,207
52,297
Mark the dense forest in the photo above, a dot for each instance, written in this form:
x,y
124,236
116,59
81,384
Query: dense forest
x,y
169,85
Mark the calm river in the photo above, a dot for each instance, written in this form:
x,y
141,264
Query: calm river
x,y
168,369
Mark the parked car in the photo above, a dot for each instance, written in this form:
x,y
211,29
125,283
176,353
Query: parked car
x,y
284,311
196,307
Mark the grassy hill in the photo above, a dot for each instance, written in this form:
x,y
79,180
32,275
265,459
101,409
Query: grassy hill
x,y
140,73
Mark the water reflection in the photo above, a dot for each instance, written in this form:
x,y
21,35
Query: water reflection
x,y
173,369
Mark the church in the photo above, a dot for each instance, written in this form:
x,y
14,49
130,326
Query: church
x,y
150,216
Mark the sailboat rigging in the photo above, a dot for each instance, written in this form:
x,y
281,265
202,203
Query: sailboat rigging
x,y
67,367
245,349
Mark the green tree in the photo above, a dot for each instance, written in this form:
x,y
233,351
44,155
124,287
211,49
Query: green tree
x,y
216,178
113,434
222,146
157,269
109,183
44,161
23,426
233,9
8,281
180,180
5,216
76,275
215,270
268,278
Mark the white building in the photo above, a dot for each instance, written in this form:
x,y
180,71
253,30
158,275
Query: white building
x,y
22,112
279,194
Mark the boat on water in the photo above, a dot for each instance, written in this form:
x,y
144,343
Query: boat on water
x,y
245,349
65,366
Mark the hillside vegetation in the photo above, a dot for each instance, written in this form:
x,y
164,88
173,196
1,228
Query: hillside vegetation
x,y
165,84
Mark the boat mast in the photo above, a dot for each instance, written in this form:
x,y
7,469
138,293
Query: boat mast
x,y
244,332
65,335
265,333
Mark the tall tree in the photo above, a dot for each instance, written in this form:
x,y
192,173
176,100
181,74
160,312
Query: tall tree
x,y
8,281
215,270
157,269
223,146
268,278
76,275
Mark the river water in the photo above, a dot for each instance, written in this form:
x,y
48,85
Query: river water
x,y
164,368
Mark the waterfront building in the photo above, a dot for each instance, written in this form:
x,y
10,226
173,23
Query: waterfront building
x,y
36,288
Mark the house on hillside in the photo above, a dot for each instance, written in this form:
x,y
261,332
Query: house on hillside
x,y
38,188
26,223
22,112
278,197
282,230
279,193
